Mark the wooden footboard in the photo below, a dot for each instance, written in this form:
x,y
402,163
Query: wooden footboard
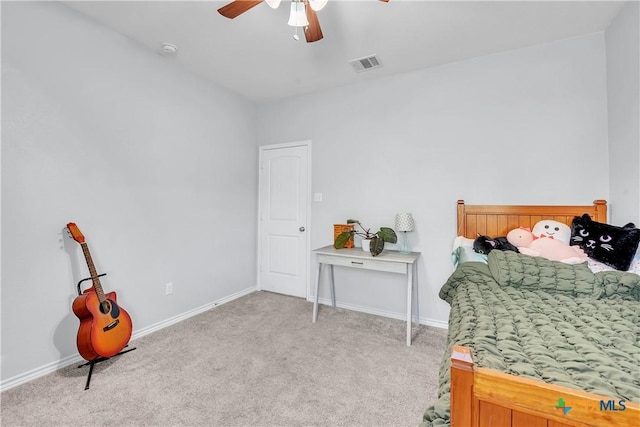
x,y
484,397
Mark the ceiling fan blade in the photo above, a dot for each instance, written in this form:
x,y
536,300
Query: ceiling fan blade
x,y
312,32
237,8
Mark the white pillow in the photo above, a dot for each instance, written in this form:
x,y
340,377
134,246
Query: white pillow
x,y
635,263
462,241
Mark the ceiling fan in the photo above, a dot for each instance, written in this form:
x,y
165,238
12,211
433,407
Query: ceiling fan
x,y
312,30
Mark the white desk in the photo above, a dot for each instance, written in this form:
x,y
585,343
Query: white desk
x,y
391,261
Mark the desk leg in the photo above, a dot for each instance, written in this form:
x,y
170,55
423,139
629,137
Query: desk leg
x,y
315,301
415,284
333,286
409,302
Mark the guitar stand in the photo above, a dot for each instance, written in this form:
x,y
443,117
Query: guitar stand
x,y
99,359
84,280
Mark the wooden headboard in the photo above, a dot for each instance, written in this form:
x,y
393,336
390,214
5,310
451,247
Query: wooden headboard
x,y
498,220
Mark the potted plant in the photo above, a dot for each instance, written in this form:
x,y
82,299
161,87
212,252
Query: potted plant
x,y
376,240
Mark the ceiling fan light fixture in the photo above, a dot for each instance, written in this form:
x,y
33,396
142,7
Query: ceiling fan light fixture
x,y
317,4
298,17
273,3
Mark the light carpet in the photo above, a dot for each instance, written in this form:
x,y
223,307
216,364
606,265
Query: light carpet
x,y
255,361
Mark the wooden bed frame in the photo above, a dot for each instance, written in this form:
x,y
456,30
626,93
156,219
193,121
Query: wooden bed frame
x,y
484,397
498,220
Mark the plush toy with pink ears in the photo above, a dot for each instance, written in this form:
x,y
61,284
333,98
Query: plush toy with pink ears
x,y
552,249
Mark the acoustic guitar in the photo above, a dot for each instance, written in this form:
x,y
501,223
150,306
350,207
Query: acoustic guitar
x,y
105,327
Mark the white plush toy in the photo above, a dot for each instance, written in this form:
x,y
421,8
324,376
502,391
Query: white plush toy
x,y
552,249
553,229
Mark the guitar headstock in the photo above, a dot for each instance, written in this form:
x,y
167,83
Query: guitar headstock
x,y
75,233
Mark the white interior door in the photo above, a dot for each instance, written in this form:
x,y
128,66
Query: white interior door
x,y
284,204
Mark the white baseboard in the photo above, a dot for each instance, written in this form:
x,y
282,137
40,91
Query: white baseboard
x,y
393,315
39,372
187,314
76,358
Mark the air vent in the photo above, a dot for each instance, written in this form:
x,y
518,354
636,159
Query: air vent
x,y
365,64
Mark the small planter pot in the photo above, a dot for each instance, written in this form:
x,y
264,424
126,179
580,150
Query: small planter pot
x,y
366,245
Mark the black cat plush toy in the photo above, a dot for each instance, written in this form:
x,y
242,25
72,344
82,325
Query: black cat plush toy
x,y
485,244
611,245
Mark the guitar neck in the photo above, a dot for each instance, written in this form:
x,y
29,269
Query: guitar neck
x,y
94,274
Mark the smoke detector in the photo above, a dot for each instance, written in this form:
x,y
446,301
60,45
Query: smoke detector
x,y
365,64
168,49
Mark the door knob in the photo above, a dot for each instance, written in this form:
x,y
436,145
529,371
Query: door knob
x,y
301,228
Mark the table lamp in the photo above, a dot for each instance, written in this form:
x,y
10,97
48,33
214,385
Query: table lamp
x,y
404,223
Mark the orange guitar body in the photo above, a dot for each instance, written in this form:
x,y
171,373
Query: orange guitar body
x,y
105,329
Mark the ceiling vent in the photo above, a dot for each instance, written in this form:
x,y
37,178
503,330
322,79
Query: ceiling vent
x,y
365,64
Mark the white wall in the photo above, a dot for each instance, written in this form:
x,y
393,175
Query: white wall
x,y
522,127
157,168
623,92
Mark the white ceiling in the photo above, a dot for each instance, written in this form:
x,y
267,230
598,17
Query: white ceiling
x,y
255,54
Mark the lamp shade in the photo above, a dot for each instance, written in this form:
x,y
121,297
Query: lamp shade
x,y
404,222
298,17
273,3
317,4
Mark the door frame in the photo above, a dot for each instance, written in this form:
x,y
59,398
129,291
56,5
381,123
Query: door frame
x,y
307,255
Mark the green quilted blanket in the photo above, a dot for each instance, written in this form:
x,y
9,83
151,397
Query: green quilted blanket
x,y
545,320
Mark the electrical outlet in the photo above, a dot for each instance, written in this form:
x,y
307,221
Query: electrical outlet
x,y
168,288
